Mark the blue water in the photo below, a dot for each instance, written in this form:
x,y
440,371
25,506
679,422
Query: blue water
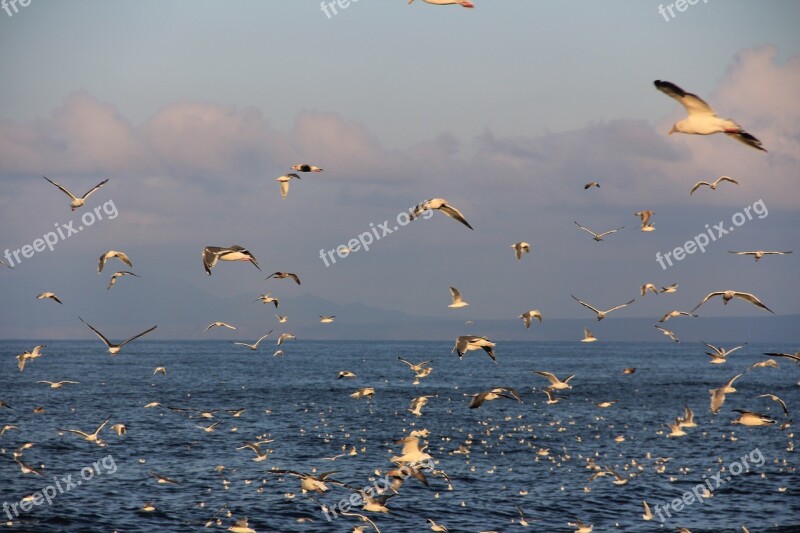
x,y
297,401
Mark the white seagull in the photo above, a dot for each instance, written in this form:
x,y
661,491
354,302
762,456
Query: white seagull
x,y
305,167
90,437
110,255
326,319
519,248
675,313
555,383
598,236
76,202
462,3
442,205
528,315
50,295
254,347
267,299
466,343
457,300
758,254
601,314
57,384
219,325
211,254
587,336
284,275
119,274
284,181
114,349
668,333
645,216
713,185
727,296
702,119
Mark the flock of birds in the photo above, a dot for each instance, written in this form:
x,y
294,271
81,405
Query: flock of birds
x,y
412,460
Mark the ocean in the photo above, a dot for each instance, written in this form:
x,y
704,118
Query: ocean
x,y
527,453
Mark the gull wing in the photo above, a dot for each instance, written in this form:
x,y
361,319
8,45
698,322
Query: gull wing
x,y
85,196
694,104
585,229
63,189
698,185
753,300
102,337
748,139
126,341
586,305
707,298
451,211
621,306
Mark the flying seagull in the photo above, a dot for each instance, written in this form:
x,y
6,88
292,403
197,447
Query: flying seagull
x,y
50,295
76,202
466,343
285,337
493,394
649,287
119,274
601,314
519,248
702,119
727,296
57,384
598,236
110,255
555,383
668,333
720,354
114,349
670,288
233,253
457,300
675,313
758,254
284,275
776,399
462,3
712,185
326,319
254,347
645,216
284,181
305,167
90,437
266,299
442,205
219,325
587,336
528,315
749,418
591,184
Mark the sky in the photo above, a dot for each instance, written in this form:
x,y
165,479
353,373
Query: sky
x,y
191,109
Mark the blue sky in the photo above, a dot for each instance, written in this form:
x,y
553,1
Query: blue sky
x,y
191,109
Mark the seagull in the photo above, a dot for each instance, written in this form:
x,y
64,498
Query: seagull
x,y
119,429
596,236
309,482
676,430
266,299
493,394
211,428
758,254
720,354
28,469
114,349
278,353
648,515
717,399
218,325
416,368
582,527
465,343
442,205
233,253
587,336
256,447
284,181
285,337
519,248
326,319
411,453
528,315
688,418
434,525
645,216
57,384
345,374
110,255
77,202
551,398
33,354
305,167
649,287
457,301
119,274
284,275
241,526
728,387
601,314
776,399
750,418
90,437
795,357
713,185
50,295
365,392
418,403
555,383
702,119
768,363
281,318
591,184
254,347
727,296
160,370
670,288
462,3
162,480
675,313
668,333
